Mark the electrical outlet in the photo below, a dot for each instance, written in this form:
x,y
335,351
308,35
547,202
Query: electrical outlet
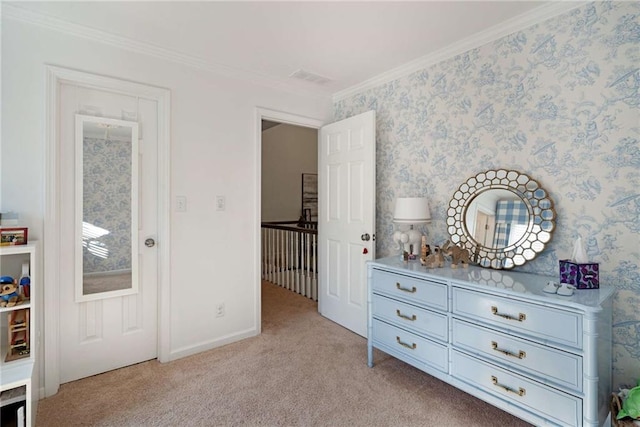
x,y
220,310
181,204
221,203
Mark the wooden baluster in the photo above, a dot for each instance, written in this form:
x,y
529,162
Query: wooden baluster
x,y
272,249
287,259
276,278
314,278
281,252
296,260
268,248
308,270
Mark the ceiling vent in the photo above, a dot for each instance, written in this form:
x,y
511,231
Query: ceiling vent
x,y
310,77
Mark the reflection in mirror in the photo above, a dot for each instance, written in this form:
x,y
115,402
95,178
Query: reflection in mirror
x,y
497,218
106,207
502,217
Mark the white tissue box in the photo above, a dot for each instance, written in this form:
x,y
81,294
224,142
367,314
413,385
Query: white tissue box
x,y
580,275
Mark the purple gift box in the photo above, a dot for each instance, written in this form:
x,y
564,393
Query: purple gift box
x,y
582,276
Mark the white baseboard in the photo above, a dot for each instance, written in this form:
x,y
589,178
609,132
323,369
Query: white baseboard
x,y
210,345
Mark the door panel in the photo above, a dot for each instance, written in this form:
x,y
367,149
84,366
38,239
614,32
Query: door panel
x,y
346,191
357,277
356,198
333,269
104,334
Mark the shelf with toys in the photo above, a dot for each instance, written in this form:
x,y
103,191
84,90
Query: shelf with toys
x,y
18,345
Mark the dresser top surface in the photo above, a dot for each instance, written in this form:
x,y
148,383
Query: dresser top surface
x,y
507,282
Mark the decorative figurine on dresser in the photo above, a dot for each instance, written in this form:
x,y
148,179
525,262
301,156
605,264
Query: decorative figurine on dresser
x,y
458,254
491,331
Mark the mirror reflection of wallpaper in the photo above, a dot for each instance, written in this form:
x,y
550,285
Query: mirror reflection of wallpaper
x,y
559,101
107,205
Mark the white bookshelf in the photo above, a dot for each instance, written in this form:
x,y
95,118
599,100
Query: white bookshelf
x,y
19,376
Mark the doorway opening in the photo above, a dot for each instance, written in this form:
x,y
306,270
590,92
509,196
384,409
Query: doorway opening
x,y
288,203
289,207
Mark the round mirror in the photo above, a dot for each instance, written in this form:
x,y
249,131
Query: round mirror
x,y
502,217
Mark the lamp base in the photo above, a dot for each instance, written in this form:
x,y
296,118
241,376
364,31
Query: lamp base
x,y
409,241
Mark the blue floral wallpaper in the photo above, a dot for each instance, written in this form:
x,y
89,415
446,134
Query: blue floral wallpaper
x,y
558,101
106,205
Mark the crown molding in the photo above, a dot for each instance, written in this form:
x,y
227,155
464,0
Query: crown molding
x,y
16,13
510,26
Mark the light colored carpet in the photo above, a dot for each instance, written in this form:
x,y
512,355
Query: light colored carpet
x,y
303,370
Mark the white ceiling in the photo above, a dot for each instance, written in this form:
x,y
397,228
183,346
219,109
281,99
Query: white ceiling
x,y
348,42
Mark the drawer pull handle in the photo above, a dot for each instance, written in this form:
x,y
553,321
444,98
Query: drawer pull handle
x,y
519,392
412,290
404,344
521,316
404,316
521,354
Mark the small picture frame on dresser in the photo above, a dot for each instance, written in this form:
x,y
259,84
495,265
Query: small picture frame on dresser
x,y
10,236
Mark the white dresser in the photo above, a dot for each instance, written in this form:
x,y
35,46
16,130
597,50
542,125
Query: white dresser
x,y
495,334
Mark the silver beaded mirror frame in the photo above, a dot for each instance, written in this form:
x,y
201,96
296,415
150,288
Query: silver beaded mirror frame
x,y
519,214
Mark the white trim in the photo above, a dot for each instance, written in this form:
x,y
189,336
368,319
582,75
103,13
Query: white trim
x,y
164,225
288,118
17,13
55,76
51,329
80,120
211,344
510,26
281,117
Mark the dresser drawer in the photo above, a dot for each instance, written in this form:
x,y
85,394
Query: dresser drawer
x,y
545,323
397,340
417,291
419,320
550,365
561,408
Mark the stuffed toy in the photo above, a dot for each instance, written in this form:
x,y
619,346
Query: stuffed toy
x,y
434,259
8,292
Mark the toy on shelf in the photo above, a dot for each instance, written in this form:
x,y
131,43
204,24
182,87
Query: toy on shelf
x,y
434,259
9,295
18,334
458,255
25,281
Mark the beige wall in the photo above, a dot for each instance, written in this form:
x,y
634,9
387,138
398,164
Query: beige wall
x,y
287,152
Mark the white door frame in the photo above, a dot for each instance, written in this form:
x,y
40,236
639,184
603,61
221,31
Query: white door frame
x,y
55,76
280,117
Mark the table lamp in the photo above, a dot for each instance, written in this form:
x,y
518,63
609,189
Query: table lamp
x,y
408,212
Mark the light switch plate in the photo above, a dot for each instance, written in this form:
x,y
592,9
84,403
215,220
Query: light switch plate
x,y
181,204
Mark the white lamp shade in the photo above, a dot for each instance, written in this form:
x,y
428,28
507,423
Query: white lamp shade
x,y
411,210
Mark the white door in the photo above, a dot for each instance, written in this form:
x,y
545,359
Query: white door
x,y
108,209
485,228
346,219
